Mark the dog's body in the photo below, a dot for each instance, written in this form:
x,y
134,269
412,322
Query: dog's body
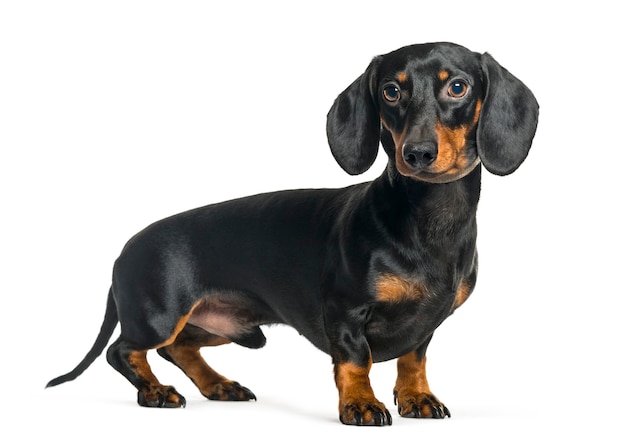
x,y
366,273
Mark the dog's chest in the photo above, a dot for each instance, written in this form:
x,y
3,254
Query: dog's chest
x,y
395,329
405,314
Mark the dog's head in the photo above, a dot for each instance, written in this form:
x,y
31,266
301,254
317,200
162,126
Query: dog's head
x,y
439,110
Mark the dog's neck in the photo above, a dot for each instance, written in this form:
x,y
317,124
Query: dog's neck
x,y
427,212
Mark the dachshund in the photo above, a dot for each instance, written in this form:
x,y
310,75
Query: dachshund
x,y
366,273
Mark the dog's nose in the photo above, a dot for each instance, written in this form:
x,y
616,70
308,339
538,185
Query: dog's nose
x,y
419,155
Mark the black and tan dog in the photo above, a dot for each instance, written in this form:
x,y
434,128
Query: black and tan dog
x,y
366,273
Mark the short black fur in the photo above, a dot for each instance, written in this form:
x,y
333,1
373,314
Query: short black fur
x,y
366,273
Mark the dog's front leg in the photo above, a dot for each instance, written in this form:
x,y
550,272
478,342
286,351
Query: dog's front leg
x,y
352,359
412,393
357,403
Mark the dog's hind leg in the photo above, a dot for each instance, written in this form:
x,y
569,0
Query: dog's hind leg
x,y
184,352
132,364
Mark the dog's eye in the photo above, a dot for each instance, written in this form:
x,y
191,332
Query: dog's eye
x,y
391,93
457,89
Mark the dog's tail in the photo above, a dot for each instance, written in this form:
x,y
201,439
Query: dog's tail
x,y
106,331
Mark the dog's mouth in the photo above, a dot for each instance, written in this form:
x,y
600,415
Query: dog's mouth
x,y
448,176
445,165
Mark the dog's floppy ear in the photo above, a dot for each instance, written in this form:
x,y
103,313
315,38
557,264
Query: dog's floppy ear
x,y
353,124
508,119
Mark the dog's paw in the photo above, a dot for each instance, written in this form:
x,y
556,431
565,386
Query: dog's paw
x,y
230,391
365,414
160,397
420,405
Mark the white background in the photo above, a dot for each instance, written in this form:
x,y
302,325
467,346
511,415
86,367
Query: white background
x,y
115,114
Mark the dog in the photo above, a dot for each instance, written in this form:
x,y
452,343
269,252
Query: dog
x,y
366,273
